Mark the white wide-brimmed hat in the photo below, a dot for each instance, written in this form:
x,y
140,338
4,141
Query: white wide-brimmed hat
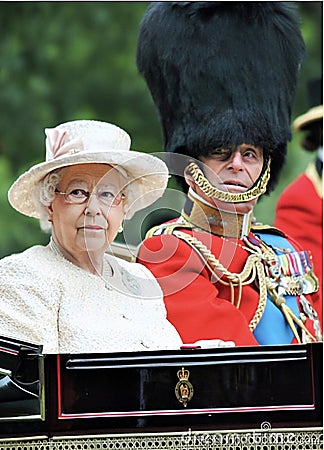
x,y
91,141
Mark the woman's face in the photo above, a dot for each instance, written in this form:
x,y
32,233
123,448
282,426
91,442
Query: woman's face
x,y
90,226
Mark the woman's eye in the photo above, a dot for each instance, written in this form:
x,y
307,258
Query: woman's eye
x,y
107,195
79,193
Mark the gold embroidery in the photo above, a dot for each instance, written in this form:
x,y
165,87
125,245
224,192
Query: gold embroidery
x,y
228,197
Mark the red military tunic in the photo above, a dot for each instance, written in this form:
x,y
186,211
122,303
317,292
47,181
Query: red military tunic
x,y
300,214
199,307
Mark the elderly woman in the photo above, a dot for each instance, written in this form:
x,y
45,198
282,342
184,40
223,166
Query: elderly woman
x,y
71,296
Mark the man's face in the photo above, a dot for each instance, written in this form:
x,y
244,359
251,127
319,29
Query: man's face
x,y
232,171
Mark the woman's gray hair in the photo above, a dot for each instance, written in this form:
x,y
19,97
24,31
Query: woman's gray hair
x,y
46,195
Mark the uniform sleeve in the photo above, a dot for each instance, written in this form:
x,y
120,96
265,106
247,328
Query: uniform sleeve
x,y
299,213
28,311
194,305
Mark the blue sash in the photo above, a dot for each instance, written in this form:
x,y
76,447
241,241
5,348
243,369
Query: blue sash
x,y
273,328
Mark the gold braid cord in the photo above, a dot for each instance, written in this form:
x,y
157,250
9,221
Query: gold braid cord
x,y
229,197
253,267
291,318
279,301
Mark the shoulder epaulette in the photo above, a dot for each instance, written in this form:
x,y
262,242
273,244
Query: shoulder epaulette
x,y
166,228
261,228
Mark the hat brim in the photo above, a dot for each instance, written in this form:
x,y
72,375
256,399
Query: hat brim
x,y
147,176
306,119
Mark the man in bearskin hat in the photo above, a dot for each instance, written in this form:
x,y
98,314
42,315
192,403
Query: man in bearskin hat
x,y
223,77
299,211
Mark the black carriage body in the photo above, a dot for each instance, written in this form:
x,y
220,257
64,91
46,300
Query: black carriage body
x,y
150,392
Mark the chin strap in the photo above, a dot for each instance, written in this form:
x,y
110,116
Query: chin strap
x,y
229,197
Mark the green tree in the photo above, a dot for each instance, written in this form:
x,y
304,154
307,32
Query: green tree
x,y
63,61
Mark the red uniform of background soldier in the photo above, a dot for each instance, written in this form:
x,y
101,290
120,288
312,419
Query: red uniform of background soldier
x,y
299,210
223,77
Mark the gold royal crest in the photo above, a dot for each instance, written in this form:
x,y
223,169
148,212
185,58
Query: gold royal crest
x,y
184,390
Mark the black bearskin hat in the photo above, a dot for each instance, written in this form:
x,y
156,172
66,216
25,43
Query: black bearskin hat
x,y
222,74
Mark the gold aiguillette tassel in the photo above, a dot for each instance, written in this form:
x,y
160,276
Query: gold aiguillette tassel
x,y
289,315
300,323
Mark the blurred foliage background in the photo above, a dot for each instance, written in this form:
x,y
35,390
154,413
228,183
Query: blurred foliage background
x,y
63,61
